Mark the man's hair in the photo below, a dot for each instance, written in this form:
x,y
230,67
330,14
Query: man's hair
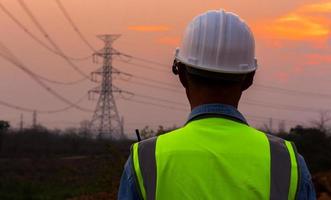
x,y
209,79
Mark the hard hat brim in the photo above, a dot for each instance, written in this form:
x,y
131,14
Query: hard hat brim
x,y
214,70
216,76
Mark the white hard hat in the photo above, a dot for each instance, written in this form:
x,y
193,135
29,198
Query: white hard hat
x,y
218,41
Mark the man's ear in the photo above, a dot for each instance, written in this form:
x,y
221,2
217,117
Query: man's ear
x,y
248,81
182,73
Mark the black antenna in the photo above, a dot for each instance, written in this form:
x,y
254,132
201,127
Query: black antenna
x,y
138,135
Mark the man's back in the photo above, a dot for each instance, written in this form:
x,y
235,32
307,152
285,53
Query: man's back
x,y
214,158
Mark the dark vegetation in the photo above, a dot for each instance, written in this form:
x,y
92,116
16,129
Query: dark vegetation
x,y
314,145
40,164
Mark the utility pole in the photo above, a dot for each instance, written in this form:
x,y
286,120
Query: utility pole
x,y
271,125
122,136
282,126
21,123
106,122
34,119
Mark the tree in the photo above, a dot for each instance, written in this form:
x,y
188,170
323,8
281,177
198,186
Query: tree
x,y
314,145
147,132
323,122
281,127
84,129
4,126
268,127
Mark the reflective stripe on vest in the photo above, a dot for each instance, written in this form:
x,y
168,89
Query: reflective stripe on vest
x,y
281,170
284,173
145,165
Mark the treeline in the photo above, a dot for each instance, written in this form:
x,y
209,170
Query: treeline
x,y
313,143
40,142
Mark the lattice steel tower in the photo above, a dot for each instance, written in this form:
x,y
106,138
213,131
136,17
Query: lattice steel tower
x,y
106,122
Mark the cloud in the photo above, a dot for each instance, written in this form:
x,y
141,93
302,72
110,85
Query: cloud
x,y
170,41
323,7
318,59
150,28
307,23
299,41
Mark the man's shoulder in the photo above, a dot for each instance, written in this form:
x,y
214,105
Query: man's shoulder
x,y
268,135
172,133
157,137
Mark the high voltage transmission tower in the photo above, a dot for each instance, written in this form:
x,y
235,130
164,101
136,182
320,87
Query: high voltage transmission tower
x,y
106,122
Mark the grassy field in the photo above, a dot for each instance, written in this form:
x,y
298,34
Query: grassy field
x,y
58,178
48,166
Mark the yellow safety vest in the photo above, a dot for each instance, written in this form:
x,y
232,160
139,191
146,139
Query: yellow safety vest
x,y
216,159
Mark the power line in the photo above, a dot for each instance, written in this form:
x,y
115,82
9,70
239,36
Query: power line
x,y
290,92
61,82
250,102
144,78
43,77
163,70
157,105
154,81
160,99
247,102
163,65
149,103
135,82
76,29
284,106
25,69
25,109
156,123
273,88
294,92
71,22
278,119
51,41
34,37
279,89
67,16
284,90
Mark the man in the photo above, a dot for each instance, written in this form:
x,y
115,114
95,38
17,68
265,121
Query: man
x,y
216,155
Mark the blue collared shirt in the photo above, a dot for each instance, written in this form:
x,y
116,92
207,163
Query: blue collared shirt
x,y
128,187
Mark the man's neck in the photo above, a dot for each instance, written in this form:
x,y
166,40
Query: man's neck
x,y
199,99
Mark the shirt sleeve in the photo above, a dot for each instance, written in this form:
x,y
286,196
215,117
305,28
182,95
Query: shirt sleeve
x,y
128,189
306,186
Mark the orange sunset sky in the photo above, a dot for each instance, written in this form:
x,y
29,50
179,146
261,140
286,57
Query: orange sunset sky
x,y
293,40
